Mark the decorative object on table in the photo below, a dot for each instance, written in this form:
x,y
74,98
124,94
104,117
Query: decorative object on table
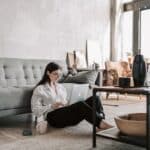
x,y
132,124
139,70
124,82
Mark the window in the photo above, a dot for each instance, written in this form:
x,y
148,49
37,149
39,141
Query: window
x,y
141,32
127,33
145,33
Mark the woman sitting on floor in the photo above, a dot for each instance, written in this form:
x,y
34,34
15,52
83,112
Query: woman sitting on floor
x,y
50,106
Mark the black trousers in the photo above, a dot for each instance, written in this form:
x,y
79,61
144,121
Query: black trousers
x,y
75,113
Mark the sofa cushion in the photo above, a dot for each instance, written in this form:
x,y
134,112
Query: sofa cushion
x,y
83,77
12,98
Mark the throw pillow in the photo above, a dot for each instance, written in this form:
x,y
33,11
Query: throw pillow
x,y
83,77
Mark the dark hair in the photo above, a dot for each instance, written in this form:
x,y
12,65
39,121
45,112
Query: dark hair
x,y
52,66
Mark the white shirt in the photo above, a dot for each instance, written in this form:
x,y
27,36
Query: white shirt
x,y
44,96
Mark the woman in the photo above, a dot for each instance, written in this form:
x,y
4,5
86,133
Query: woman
x,y
49,104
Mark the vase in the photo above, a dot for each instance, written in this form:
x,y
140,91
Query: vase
x,y
139,70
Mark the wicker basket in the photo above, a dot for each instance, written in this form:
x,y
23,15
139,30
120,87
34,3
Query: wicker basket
x,y
132,124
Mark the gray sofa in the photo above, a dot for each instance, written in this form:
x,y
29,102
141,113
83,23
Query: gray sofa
x,y
18,78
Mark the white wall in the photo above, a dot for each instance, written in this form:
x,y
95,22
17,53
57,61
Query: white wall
x,y
50,28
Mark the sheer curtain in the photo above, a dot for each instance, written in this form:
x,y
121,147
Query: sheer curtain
x,y
145,33
121,30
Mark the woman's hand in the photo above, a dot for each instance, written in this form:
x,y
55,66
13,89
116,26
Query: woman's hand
x,y
57,105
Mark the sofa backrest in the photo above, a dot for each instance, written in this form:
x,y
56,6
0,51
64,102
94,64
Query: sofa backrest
x,y
24,72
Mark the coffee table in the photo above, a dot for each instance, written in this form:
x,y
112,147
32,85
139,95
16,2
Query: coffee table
x,y
133,90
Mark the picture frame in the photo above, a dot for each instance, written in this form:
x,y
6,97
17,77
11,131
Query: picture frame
x,y
94,53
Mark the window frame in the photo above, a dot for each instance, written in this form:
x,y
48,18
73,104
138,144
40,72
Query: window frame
x,y
137,7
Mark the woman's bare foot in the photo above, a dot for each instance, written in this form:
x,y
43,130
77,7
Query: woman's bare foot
x,y
41,127
98,129
104,125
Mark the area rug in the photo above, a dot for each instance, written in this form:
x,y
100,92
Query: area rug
x,y
71,138
123,100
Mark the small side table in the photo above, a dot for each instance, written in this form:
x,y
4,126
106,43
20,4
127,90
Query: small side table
x,y
141,90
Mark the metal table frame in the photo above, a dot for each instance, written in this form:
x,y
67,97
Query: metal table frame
x,y
141,90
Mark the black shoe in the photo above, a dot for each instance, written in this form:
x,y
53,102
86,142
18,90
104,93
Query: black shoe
x,y
102,115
